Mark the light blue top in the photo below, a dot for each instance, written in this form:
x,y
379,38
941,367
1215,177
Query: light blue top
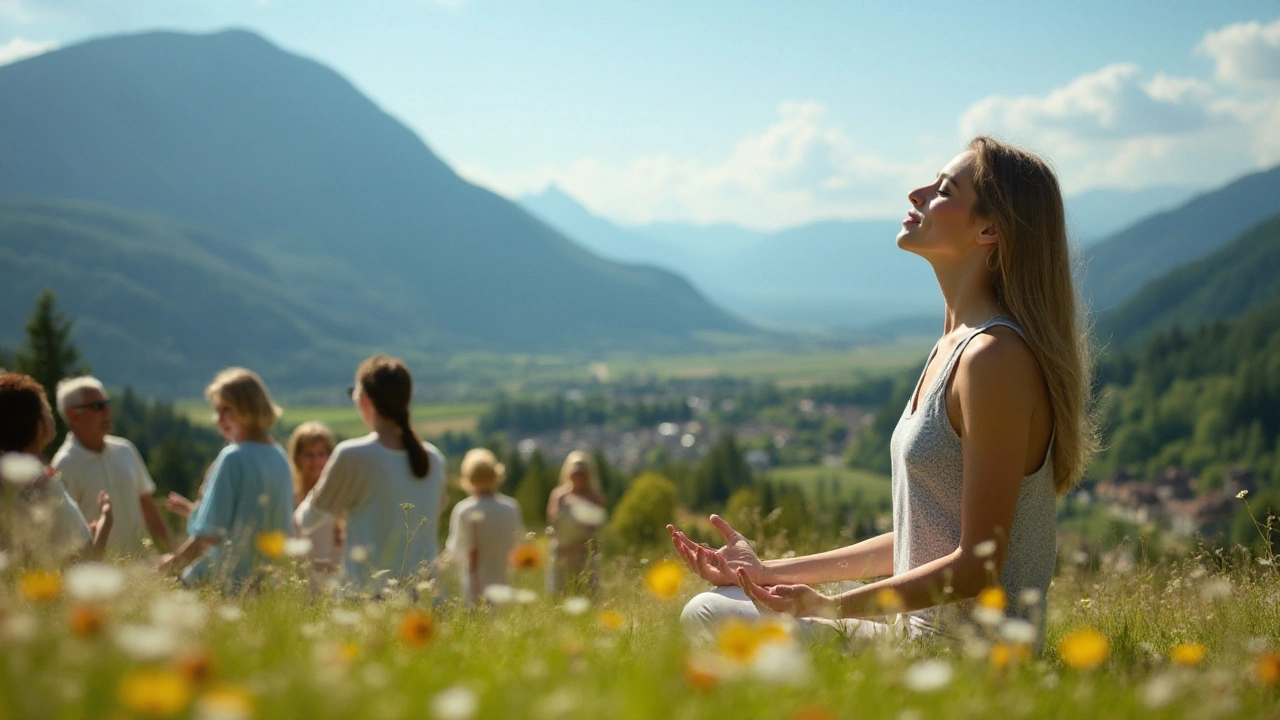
x,y
372,484
249,490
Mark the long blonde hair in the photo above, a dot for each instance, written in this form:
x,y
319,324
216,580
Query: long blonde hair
x,y
1031,279
302,438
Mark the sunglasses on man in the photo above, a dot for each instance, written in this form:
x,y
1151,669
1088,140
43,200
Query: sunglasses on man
x,y
96,406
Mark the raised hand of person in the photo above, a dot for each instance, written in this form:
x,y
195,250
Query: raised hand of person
x,y
179,505
719,567
797,600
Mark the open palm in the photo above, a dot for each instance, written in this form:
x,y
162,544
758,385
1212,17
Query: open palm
x,y
719,567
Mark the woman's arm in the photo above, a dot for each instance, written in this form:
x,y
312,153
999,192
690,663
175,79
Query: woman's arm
x,y
191,550
553,504
997,389
870,558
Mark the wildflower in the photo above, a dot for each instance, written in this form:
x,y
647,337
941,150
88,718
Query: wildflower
x,y
180,611
196,666
346,651
1187,654
703,671
525,596
781,663
1219,588
576,605
889,601
1029,597
154,692
526,556
1160,690
225,702
928,676
611,619
297,547
588,513
346,618
986,548
40,585
270,544
19,468
456,703
359,554
86,621
664,579
417,628
19,628
93,582
1242,494
499,594
737,641
1084,649
1019,631
230,613
1005,653
773,631
1268,668
993,598
145,643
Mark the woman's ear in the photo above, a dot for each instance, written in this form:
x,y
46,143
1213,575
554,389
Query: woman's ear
x,y
989,235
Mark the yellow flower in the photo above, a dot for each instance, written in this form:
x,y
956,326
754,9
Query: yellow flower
x,y
1187,654
889,601
225,703
347,651
1084,649
611,619
738,641
993,598
771,631
1269,668
526,556
86,621
40,585
664,579
1005,653
154,692
270,544
417,628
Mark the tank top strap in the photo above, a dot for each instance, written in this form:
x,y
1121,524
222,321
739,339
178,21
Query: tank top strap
x,y
944,376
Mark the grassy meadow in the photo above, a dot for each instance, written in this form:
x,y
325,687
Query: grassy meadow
x,y
1188,639
429,419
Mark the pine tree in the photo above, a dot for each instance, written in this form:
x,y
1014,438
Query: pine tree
x,y
49,355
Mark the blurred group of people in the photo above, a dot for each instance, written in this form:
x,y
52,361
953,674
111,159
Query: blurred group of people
x,y
360,514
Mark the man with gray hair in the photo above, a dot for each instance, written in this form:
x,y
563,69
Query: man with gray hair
x,y
92,460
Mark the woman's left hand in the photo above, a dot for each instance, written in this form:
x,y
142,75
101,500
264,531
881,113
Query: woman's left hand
x,y
797,600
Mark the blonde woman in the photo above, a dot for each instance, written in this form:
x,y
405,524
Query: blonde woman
x,y
997,427
247,491
484,527
575,511
310,446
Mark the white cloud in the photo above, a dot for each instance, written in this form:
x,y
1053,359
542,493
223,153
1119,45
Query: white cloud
x,y
20,48
1121,127
1245,54
800,168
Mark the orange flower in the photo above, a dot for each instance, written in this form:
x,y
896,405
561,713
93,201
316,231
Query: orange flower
x,y
1084,649
611,619
270,544
86,621
1269,668
417,628
195,665
813,712
1187,654
701,672
40,585
993,598
154,692
664,579
526,556
1004,653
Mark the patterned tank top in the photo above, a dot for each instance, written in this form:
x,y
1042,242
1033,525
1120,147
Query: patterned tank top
x,y
927,480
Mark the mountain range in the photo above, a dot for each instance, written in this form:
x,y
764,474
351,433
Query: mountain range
x,y
283,165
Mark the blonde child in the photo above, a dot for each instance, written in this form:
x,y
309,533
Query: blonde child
x,y
484,527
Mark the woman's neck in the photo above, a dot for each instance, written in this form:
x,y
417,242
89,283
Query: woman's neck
x,y
257,436
389,433
966,290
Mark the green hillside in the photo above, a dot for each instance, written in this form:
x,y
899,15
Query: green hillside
x,y
369,236
1241,276
1121,265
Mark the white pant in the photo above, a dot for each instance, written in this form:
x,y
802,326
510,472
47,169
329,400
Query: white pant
x,y
704,613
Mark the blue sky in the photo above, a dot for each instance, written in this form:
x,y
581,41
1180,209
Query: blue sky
x,y
767,113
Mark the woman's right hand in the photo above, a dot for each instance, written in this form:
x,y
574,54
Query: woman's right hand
x,y
720,567
179,505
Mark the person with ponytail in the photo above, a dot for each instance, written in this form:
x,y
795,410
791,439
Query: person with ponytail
x,y
389,483
998,427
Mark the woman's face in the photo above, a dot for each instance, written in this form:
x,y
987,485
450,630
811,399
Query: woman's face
x,y
578,475
941,221
312,459
229,423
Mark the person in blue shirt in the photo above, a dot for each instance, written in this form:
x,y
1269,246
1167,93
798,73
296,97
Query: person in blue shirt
x,y
248,491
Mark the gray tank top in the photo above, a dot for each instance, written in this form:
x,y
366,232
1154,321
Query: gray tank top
x,y
927,479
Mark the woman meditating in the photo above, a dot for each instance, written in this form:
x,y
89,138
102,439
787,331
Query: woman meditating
x,y
997,427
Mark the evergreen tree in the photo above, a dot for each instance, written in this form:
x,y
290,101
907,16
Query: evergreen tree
x,y
49,355
534,490
641,518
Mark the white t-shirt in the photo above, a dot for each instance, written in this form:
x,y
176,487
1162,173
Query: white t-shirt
x,y
490,525
120,471
371,483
